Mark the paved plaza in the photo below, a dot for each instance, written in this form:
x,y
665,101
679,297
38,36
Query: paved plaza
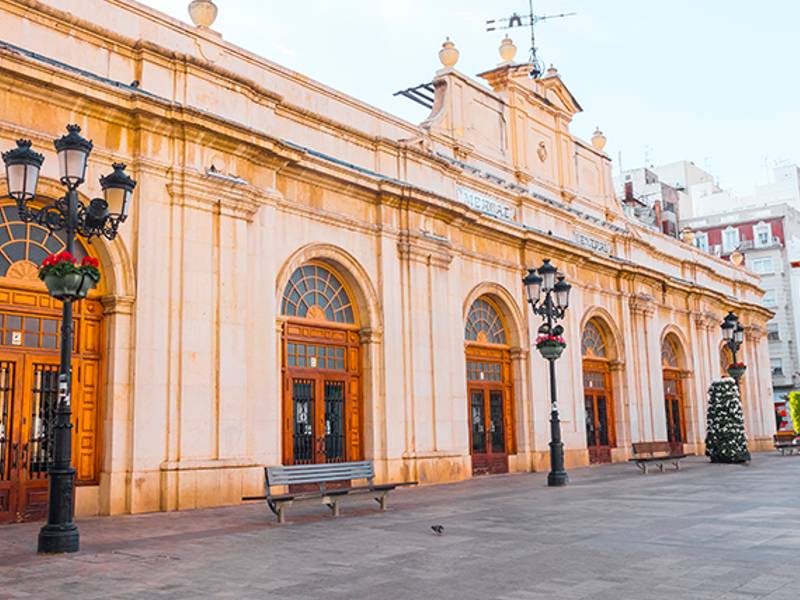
x,y
708,531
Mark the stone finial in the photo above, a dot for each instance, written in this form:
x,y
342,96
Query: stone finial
x,y
551,71
737,258
203,13
449,54
598,139
507,50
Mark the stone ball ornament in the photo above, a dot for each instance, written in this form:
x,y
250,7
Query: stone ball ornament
x,y
203,13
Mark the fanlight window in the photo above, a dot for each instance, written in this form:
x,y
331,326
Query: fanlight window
x,y
23,246
314,292
484,325
669,354
593,344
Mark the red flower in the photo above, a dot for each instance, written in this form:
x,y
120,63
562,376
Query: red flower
x,y
90,261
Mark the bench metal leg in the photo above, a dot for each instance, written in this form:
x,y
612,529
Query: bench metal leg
x,y
334,506
277,508
382,501
677,466
661,467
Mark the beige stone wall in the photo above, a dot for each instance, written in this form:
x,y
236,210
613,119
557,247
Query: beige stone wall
x,y
246,170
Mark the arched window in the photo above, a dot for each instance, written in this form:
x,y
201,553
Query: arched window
x,y
314,292
484,324
593,344
669,354
27,244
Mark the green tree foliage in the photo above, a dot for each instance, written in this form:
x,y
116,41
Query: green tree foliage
x,y
725,437
794,410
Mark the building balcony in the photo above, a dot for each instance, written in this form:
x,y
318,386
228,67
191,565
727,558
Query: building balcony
x,y
745,245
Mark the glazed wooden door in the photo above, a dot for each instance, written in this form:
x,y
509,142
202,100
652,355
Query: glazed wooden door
x,y
28,396
599,421
39,399
9,440
597,427
487,431
673,405
318,419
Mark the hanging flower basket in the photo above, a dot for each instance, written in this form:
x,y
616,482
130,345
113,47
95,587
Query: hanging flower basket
x,y
65,279
550,346
737,370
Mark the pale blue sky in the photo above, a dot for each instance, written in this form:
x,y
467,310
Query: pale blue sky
x,y
713,81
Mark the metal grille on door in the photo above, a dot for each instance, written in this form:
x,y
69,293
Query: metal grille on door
x,y
6,397
39,450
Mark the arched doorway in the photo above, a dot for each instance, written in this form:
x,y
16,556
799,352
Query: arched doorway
x,y
673,393
597,393
489,389
30,322
321,363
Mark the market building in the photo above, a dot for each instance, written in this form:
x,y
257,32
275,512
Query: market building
x,y
306,278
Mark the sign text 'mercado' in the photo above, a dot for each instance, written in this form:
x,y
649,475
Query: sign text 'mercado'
x,y
485,204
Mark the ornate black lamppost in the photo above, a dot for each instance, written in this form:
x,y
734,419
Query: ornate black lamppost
x,y
101,217
550,344
733,334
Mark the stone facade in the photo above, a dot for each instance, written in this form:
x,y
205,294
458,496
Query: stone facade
x,y
247,171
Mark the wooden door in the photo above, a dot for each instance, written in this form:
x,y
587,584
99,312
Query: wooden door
x,y
39,399
673,405
9,439
597,427
318,424
488,443
599,421
28,396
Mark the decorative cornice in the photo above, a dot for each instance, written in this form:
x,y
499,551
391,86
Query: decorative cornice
x,y
369,335
519,353
426,249
705,320
233,198
642,304
754,333
117,305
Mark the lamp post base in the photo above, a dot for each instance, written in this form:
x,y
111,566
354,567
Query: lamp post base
x,y
557,475
58,539
557,478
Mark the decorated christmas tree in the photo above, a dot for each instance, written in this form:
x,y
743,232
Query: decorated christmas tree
x,y
725,437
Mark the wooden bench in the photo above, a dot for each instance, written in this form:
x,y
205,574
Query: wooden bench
x,y
658,453
321,475
784,445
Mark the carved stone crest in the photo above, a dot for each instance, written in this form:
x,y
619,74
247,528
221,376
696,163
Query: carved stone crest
x,y
542,151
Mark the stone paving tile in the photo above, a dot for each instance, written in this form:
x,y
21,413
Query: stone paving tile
x,y
706,532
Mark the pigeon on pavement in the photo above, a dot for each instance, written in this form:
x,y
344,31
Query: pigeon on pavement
x,y
438,529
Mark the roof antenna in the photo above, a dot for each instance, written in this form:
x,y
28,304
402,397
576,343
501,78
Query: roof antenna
x,y
529,20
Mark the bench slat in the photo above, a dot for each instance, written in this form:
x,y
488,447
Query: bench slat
x,y
319,473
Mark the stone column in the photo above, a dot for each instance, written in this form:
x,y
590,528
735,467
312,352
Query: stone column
x,y
523,413
701,365
430,350
641,355
116,457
